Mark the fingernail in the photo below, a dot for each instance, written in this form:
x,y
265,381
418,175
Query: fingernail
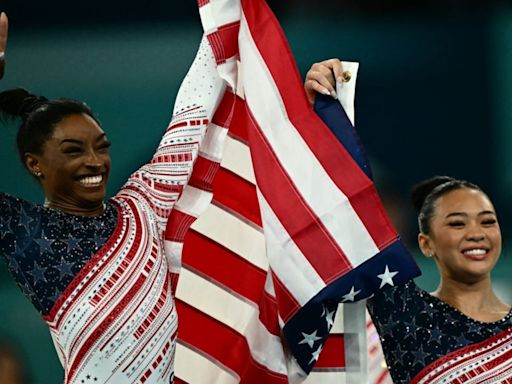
x,y
339,79
326,92
334,95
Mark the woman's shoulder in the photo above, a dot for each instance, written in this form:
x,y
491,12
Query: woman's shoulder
x,y
18,216
398,302
398,293
16,205
4,196
9,201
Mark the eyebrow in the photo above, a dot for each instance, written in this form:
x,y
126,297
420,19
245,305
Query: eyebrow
x,y
466,215
74,141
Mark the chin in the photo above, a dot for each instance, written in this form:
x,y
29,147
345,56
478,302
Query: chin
x,y
92,201
475,275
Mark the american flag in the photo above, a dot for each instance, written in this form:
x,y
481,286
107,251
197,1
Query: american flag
x,y
280,221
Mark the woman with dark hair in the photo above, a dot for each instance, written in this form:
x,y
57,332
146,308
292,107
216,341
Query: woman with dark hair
x,y
95,269
461,332
448,334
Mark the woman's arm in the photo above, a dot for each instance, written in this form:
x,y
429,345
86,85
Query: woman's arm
x,y
161,181
4,25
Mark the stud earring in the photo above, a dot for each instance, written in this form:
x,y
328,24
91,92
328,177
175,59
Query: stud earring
x,y
38,173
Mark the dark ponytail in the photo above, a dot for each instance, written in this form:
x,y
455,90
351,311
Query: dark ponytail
x,y
18,102
38,115
425,194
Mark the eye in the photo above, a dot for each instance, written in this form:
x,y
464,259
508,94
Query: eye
x,y
456,224
489,222
72,150
104,147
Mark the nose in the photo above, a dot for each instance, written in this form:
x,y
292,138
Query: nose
x,y
476,237
475,233
93,160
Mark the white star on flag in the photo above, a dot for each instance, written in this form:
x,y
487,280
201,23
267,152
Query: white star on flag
x,y
387,277
330,318
309,339
257,111
315,355
351,295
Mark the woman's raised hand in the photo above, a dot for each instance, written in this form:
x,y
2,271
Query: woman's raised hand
x,y
322,78
4,26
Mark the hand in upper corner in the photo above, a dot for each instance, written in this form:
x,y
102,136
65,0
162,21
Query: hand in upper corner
x,y
322,78
4,25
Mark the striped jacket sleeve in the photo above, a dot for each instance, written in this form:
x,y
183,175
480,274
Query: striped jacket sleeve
x,y
161,181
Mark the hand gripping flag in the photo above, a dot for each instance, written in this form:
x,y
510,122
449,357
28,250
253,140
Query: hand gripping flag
x,y
289,223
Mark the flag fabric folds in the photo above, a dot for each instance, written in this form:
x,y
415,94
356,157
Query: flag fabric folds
x,y
280,220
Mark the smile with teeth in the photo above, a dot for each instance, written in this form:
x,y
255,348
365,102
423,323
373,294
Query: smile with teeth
x,y
91,181
475,252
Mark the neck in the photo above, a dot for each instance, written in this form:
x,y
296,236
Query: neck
x,y
475,299
90,211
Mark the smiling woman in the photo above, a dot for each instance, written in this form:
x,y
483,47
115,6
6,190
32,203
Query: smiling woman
x,y
459,228
95,269
447,334
74,165
61,143
461,332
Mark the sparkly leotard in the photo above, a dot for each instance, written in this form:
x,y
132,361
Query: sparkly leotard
x,y
102,283
46,248
416,329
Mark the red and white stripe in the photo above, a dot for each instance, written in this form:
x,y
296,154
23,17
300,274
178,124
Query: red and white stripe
x,y
280,197
487,362
116,322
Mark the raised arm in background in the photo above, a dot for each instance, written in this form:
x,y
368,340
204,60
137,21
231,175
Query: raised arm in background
x,y
322,78
4,26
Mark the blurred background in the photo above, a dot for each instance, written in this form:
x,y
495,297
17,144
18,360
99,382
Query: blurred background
x,y
434,96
